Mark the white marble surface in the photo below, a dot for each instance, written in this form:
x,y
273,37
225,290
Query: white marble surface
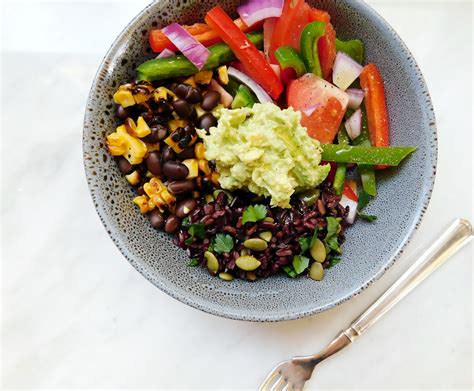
x,y
75,314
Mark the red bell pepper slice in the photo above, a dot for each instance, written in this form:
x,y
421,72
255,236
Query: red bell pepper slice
x,y
377,115
349,187
288,27
326,44
200,31
254,62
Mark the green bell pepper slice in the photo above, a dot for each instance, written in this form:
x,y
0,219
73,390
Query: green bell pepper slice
x,y
288,57
389,156
175,66
353,48
243,98
309,46
340,176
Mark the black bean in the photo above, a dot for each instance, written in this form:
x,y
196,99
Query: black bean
x,y
172,224
210,100
188,153
181,187
167,154
122,112
183,108
153,163
194,95
182,90
124,166
157,219
185,207
175,170
206,121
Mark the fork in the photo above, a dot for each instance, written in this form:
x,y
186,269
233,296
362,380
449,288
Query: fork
x,y
293,374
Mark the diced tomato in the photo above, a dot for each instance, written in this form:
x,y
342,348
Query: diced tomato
x,y
268,27
288,27
377,115
309,91
326,44
350,190
201,31
254,62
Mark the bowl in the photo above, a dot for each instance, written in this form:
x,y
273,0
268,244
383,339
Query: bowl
x,y
370,248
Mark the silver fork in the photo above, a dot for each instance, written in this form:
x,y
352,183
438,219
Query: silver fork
x,y
293,374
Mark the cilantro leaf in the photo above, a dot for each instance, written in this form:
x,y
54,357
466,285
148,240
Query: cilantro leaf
x,y
334,261
368,218
300,263
364,199
331,238
185,222
223,243
290,271
195,230
193,262
254,213
305,244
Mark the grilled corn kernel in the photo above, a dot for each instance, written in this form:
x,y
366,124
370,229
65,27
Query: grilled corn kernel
x,y
159,194
163,93
124,97
142,129
122,143
190,81
142,203
203,77
142,91
215,178
199,111
223,75
192,165
134,178
199,151
173,145
204,166
176,123
152,147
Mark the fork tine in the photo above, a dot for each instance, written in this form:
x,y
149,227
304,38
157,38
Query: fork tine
x,y
279,384
269,380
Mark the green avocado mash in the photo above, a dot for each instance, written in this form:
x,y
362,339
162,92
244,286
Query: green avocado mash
x,y
264,150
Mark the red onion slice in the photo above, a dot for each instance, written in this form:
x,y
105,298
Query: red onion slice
x,y
254,11
195,52
355,98
276,69
346,201
345,71
308,111
261,94
354,124
166,53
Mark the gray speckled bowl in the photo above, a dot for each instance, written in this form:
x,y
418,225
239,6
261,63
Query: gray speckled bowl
x,y
370,248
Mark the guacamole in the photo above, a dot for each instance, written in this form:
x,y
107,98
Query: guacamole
x,y
265,150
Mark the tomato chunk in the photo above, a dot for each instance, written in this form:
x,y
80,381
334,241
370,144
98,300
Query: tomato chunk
x,y
329,103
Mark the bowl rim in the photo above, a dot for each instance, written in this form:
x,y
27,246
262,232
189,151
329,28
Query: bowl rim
x,y
291,315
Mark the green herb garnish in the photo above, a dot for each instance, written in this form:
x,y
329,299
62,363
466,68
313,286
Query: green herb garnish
x,y
300,263
223,243
290,271
254,213
305,244
368,218
331,239
195,230
364,199
193,262
334,261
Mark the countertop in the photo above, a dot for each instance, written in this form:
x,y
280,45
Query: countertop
x,y
75,314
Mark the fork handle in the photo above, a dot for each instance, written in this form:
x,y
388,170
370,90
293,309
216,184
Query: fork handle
x,y
458,234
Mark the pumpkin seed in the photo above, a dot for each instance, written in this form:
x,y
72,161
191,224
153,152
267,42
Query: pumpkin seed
x,y
310,197
226,276
251,276
266,235
316,271
212,262
244,252
269,219
318,251
247,263
256,244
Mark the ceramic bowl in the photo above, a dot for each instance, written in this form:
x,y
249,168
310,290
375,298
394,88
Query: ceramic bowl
x,y
370,248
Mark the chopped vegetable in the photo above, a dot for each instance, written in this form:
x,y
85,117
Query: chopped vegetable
x,y
289,57
166,53
352,205
194,51
340,176
310,90
346,71
364,199
288,27
354,124
309,46
331,238
193,262
390,156
369,218
243,98
253,61
223,243
300,263
226,98
254,213
356,97
326,44
353,48
175,66
268,27
261,94
253,11
377,115
197,230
